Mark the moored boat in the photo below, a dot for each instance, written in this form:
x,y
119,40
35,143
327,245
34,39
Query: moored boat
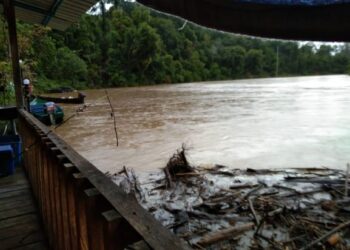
x,y
60,90
72,100
48,113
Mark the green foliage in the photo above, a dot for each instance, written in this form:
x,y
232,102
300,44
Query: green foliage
x,y
69,66
43,84
146,47
8,96
130,45
234,58
253,63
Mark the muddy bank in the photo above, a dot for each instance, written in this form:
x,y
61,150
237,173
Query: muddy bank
x,y
217,207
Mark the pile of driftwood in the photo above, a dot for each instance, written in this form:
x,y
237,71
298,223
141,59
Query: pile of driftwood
x,y
216,207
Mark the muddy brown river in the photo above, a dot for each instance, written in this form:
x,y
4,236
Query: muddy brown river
x,y
259,123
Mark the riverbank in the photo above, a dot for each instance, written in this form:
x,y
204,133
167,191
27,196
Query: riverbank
x,y
43,84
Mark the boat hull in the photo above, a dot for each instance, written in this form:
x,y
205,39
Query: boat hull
x,y
37,108
77,100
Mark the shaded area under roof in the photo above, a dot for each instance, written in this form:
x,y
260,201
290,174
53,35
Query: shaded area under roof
x,y
58,14
266,18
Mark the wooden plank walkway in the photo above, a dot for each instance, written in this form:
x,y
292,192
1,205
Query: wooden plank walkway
x,y
20,226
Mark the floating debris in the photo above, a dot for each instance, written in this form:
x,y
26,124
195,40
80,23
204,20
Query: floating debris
x,y
219,207
177,166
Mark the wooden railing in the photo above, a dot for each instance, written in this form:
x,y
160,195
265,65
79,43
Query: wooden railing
x,y
80,207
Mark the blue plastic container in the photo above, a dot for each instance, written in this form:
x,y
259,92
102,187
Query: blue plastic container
x,y
15,142
7,160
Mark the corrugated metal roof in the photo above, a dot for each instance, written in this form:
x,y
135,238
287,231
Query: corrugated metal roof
x,y
58,14
326,22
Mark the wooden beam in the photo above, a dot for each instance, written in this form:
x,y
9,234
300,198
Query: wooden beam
x,y
9,11
52,12
28,7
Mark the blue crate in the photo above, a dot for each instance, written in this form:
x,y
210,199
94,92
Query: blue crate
x,y
7,163
16,143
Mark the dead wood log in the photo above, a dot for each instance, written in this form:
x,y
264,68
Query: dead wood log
x,y
225,198
286,188
321,222
275,212
319,190
188,174
262,171
203,215
168,177
198,246
347,179
243,186
311,169
159,187
224,234
211,168
314,180
276,245
225,173
253,191
343,202
133,182
333,188
251,206
260,225
177,164
327,235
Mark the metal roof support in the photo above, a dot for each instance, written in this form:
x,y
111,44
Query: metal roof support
x,y
9,11
57,14
30,7
52,12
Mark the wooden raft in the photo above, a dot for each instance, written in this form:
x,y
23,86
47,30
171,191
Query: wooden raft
x,y
20,226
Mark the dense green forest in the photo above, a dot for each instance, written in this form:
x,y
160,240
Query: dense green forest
x,y
130,45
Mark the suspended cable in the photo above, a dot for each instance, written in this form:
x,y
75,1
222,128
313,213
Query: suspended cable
x,y
183,26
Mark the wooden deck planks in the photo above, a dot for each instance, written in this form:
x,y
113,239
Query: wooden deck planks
x,y
15,193
20,227
34,246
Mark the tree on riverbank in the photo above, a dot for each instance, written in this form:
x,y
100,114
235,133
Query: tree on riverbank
x,y
146,47
130,45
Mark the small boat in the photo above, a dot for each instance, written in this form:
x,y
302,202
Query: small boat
x,y
72,100
47,112
60,90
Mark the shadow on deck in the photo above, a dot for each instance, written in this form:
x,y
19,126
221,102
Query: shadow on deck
x,y
20,226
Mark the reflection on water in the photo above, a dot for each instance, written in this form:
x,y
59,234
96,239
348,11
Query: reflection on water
x,y
281,122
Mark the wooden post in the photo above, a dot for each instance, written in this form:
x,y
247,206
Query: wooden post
x,y
9,11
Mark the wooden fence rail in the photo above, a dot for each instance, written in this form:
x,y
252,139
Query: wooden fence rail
x,y
81,208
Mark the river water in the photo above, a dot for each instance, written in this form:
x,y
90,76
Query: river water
x,y
258,123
